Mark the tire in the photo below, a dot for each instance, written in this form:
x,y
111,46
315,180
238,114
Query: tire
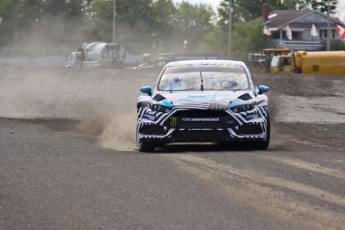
x,y
264,145
144,146
147,147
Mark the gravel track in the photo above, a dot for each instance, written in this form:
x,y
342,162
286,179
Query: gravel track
x,y
68,158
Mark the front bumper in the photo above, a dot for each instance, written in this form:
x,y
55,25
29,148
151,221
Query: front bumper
x,y
201,139
223,126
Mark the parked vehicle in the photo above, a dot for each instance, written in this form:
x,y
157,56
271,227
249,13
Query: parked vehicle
x,y
256,56
154,60
261,63
98,54
75,59
203,101
322,62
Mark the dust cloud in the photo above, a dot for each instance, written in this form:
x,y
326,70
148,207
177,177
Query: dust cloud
x,y
102,102
119,133
111,131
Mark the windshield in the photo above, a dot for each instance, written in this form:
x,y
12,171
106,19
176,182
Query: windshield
x,y
275,61
207,78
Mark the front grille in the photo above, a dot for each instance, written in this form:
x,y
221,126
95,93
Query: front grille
x,y
152,129
201,134
198,125
201,113
249,129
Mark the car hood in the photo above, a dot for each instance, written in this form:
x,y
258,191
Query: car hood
x,y
198,98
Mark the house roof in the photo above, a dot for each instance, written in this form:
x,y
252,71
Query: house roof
x,y
283,18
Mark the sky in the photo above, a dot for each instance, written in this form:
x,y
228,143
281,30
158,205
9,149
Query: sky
x,y
215,3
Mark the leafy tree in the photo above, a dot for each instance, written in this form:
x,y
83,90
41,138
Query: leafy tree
x,y
54,7
322,5
30,16
158,25
190,24
8,13
99,19
247,10
63,21
163,14
41,22
132,22
221,33
67,8
29,12
215,41
248,37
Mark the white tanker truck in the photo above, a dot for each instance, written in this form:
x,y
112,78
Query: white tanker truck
x,y
98,54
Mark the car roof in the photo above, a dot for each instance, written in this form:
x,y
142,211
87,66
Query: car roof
x,y
205,62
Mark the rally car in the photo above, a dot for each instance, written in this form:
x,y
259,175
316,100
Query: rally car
x,y
203,101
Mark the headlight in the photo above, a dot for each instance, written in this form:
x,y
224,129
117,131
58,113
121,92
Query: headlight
x,y
160,108
242,108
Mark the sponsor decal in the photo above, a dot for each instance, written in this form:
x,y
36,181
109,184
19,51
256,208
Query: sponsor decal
x,y
205,65
173,122
227,66
150,112
230,122
201,119
149,117
252,116
180,67
200,129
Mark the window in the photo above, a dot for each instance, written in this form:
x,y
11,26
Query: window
x,y
275,61
323,34
226,77
286,61
294,35
275,35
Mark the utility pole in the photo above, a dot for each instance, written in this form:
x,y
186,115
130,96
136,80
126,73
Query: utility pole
x,y
114,21
328,27
230,30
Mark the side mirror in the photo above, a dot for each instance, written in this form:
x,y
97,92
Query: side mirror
x,y
263,89
146,89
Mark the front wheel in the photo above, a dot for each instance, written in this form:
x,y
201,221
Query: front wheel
x,y
144,146
264,145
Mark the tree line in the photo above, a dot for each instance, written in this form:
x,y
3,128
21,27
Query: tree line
x,y
141,25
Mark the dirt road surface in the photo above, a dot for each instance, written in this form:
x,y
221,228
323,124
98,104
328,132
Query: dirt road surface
x,y
68,158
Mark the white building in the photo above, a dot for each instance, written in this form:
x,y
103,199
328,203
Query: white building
x,y
300,23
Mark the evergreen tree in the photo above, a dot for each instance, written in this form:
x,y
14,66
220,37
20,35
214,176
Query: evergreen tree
x,y
322,5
